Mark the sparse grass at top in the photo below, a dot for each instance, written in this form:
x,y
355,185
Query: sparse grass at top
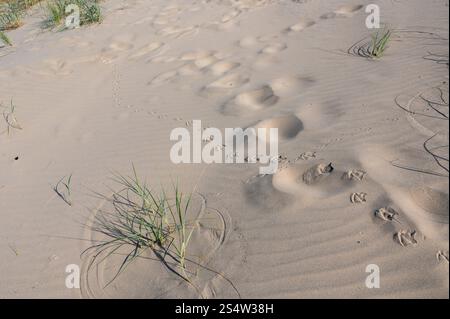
x,y
56,11
12,11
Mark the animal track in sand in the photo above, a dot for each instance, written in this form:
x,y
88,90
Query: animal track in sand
x,y
300,26
317,173
248,42
151,47
290,85
349,9
306,156
328,15
117,46
442,255
310,181
197,62
206,61
230,16
355,175
274,48
386,214
188,69
195,55
163,77
252,100
406,237
264,61
176,32
358,198
222,67
162,59
58,67
229,81
344,11
288,126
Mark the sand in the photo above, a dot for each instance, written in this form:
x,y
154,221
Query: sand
x,y
97,99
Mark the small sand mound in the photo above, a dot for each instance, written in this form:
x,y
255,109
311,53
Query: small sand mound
x,y
433,202
311,180
288,126
230,81
348,9
300,26
257,99
290,85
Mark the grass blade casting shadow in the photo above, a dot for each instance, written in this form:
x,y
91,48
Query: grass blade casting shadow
x,y
62,189
371,48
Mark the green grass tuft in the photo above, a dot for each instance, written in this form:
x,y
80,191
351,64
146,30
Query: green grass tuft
x,y
142,219
379,43
4,38
12,12
373,48
90,11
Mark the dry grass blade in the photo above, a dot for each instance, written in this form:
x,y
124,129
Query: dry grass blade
x,y
63,189
10,118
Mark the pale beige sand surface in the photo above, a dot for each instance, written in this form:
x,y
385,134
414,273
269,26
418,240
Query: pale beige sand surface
x,y
94,100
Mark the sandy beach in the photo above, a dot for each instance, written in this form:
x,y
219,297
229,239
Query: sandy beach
x,y
361,187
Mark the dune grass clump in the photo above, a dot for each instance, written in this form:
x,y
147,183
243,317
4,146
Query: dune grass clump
x,y
373,48
142,219
12,12
90,11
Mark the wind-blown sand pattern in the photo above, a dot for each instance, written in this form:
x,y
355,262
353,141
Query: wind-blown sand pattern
x,y
363,175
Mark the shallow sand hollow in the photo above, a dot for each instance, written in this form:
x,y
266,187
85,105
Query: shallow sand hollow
x,y
101,98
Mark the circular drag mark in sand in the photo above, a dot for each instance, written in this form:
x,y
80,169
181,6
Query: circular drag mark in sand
x,y
153,273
